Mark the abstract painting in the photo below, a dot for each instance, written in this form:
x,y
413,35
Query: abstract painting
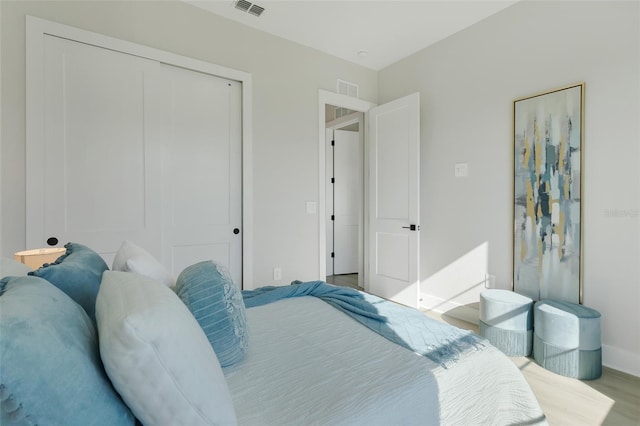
x,y
547,194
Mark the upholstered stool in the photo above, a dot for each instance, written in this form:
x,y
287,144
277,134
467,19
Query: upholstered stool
x,y
567,339
506,321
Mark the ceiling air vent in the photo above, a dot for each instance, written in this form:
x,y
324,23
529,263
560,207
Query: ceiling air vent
x,y
243,5
247,6
256,10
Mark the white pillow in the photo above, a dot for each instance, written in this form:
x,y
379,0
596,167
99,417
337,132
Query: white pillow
x,y
157,356
132,258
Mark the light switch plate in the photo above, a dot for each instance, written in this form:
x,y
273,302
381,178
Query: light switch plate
x,y
461,170
277,274
312,207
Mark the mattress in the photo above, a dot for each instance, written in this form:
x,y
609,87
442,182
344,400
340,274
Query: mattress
x,y
310,364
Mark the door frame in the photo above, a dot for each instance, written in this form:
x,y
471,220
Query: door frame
x,y
326,97
36,30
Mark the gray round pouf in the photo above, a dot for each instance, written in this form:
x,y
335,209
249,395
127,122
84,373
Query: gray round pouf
x,y
506,321
567,339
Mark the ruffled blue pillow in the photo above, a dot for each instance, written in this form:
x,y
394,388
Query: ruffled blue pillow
x,y
51,368
78,273
216,303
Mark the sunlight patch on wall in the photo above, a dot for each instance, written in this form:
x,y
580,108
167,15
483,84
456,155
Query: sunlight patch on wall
x,y
459,283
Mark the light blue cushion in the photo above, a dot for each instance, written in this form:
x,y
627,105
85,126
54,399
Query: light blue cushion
x,y
216,303
51,369
567,339
78,273
506,309
567,325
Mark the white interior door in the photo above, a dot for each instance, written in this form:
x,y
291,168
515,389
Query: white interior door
x,y
203,177
99,160
394,201
347,186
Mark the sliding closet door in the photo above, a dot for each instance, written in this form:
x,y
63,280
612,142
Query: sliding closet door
x,y
203,177
99,170
131,148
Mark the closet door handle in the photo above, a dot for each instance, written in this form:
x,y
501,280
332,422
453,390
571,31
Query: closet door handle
x,y
412,227
236,231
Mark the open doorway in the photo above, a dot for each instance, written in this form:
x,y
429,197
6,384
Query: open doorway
x,y
336,110
344,204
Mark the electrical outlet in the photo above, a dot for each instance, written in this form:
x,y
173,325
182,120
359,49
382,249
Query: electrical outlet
x,y
489,281
277,274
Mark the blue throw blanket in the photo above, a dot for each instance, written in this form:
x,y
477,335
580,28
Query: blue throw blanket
x,y
402,325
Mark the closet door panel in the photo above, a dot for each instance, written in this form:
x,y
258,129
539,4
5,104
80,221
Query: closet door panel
x,y
203,177
101,174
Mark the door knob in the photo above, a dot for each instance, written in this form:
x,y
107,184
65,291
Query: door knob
x,y
412,227
236,231
52,241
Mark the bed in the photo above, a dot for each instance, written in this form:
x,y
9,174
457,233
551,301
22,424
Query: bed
x,y
152,353
335,371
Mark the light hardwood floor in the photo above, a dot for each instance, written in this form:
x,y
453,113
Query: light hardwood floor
x,y
611,400
346,280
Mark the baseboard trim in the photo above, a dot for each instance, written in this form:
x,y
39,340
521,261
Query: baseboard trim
x,y
621,360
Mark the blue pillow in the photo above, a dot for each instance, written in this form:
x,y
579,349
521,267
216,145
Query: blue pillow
x,y
51,368
78,273
216,303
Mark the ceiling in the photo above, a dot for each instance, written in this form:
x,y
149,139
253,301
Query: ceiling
x,y
373,34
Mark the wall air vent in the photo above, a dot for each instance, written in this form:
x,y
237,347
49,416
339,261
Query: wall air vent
x,y
247,6
346,88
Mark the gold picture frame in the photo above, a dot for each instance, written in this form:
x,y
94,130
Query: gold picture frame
x,y
548,153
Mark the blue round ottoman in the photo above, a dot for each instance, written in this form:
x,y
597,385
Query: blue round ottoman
x,y
567,339
506,321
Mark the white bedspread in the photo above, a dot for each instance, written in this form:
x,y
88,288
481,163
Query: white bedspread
x,y
309,364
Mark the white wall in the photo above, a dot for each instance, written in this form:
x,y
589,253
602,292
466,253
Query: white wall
x,y
286,79
468,83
